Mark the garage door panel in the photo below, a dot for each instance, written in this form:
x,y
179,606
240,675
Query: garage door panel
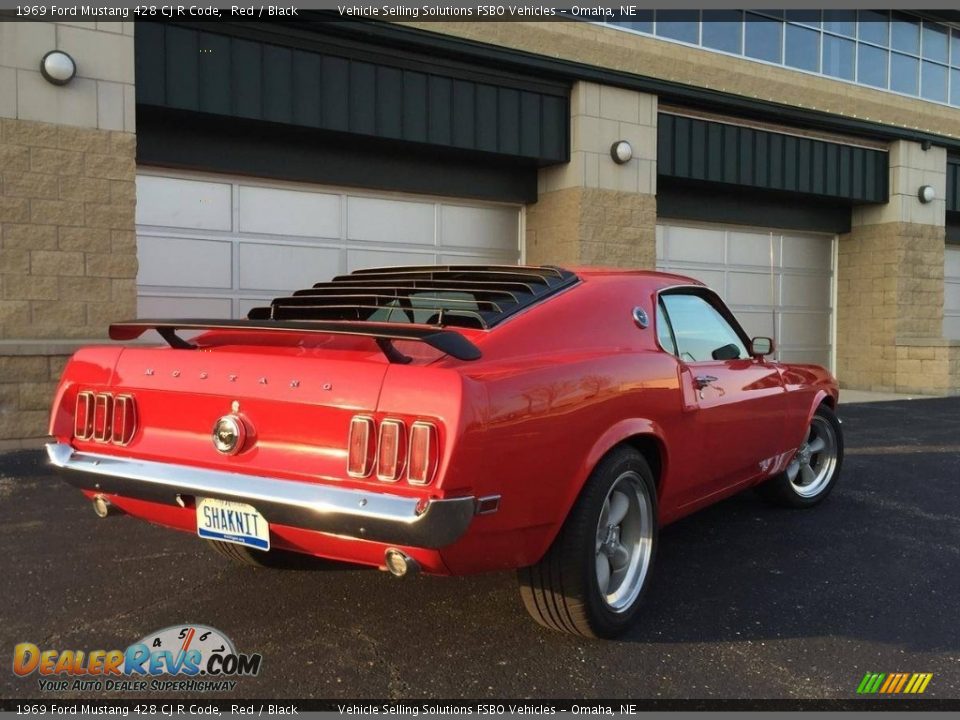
x,y
464,259
951,327
184,306
693,244
286,267
209,266
807,251
807,329
951,295
359,259
951,266
390,221
298,213
246,304
756,323
811,291
746,288
736,262
799,355
714,278
747,248
180,203
289,236
479,228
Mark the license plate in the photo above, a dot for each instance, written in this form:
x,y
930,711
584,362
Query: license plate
x,y
232,522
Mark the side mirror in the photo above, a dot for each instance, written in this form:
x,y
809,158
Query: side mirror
x,y
761,346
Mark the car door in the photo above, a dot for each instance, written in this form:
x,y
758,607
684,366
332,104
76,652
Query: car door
x,y
735,403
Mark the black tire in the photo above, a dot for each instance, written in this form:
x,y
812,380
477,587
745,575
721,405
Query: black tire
x,y
781,491
562,591
244,555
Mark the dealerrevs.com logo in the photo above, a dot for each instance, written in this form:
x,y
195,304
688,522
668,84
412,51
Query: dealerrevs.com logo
x,y
199,658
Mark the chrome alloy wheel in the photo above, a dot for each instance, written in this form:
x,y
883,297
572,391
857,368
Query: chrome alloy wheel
x,y
624,542
813,466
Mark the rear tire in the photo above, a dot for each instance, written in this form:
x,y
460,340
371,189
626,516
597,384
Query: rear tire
x,y
814,470
609,539
256,558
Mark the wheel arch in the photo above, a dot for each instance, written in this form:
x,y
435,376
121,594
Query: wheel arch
x,y
639,433
643,435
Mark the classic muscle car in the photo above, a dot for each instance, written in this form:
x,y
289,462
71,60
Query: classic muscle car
x,y
452,419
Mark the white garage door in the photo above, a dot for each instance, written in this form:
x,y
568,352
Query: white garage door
x,y
951,293
779,284
213,246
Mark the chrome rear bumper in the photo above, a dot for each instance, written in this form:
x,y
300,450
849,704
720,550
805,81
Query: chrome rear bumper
x,y
355,513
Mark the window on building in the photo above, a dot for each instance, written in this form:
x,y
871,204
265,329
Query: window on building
x,y
723,30
802,48
894,51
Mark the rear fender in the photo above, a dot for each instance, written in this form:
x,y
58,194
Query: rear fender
x,y
614,436
88,366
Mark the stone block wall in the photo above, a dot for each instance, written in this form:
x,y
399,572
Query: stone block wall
x,y
68,261
593,211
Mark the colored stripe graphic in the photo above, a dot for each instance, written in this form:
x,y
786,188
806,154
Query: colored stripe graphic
x,y
894,683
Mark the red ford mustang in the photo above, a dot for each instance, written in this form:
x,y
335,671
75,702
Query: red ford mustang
x,y
452,419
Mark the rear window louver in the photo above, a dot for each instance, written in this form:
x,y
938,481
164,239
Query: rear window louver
x,y
443,295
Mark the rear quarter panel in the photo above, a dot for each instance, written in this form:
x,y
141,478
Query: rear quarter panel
x,y
577,377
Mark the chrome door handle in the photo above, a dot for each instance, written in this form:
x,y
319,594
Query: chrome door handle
x,y
701,381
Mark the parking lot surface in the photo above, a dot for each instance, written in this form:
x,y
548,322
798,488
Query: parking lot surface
x,y
747,601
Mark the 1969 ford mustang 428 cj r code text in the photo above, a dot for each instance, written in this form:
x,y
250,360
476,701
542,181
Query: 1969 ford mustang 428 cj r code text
x,y
452,419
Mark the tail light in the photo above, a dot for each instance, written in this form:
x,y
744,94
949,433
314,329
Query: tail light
x,y
124,420
102,408
424,453
391,450
103,418
83,416
361,447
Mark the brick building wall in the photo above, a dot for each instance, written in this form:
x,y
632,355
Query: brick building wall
x,y
67,199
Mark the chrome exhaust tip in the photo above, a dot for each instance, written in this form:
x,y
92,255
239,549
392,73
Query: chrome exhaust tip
x,y
399,564
101,506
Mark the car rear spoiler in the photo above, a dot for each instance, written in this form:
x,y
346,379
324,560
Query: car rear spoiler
x,y
446,341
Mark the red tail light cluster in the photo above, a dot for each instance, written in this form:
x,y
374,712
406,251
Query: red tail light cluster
x,y
105,418
393,451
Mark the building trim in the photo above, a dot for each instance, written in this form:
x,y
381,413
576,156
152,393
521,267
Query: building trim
x,y
698,149
254,74
194,141
391,34
953,184
679,199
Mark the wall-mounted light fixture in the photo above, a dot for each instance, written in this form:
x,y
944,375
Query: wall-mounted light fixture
x,y
58,67
926,194
621,152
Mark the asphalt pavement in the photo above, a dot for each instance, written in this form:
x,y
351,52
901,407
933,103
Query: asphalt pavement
x,y
747,601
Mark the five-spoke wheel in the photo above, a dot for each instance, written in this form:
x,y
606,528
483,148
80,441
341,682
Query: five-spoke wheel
x,y
624,543
592,579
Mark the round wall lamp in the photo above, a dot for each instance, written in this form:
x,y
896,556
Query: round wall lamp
x,y
58,67
927,194
621,152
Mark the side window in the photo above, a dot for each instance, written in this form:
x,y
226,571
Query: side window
x,y
701,333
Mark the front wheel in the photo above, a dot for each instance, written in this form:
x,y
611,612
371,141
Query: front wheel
x,y
592,579
813,472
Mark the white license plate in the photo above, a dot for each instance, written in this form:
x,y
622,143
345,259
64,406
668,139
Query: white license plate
x,y
232,522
